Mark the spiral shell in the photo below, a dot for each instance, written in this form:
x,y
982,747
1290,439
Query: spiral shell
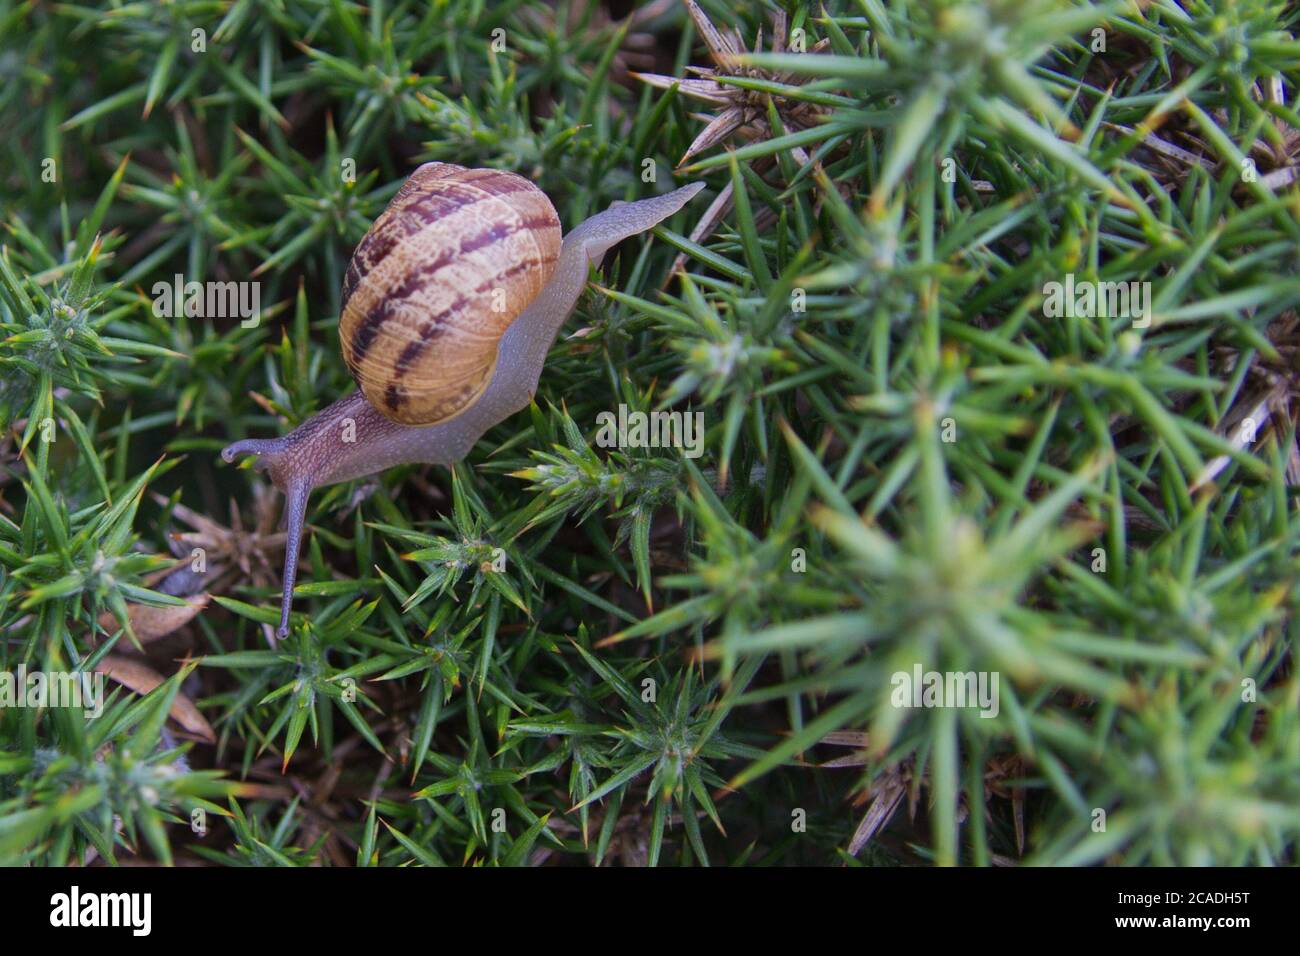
x,y
443,272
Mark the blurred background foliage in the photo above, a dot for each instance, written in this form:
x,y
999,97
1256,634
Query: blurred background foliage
x,y
683,661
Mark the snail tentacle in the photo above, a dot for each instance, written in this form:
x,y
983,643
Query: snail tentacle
x,y
295,516
252,446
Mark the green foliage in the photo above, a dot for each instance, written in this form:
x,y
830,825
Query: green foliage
x,y
559,652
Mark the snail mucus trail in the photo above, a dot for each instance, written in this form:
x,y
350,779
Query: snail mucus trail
x,y
450,303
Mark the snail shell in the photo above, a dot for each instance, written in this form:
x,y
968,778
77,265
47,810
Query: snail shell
x,y
456,257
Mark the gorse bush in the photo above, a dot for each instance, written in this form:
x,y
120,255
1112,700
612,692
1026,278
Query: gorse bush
x,y
990,316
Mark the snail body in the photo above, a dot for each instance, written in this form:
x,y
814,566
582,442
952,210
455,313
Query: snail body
x,y
450,304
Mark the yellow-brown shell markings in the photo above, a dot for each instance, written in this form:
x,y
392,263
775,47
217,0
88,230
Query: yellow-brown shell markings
x,y
454,259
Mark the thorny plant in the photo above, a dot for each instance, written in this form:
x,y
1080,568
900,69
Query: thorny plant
x,y
558,652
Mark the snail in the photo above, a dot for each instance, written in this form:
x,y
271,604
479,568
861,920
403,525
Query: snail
x,y
450,303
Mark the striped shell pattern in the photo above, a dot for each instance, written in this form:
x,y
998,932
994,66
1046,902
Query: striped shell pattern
x,y
445,269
